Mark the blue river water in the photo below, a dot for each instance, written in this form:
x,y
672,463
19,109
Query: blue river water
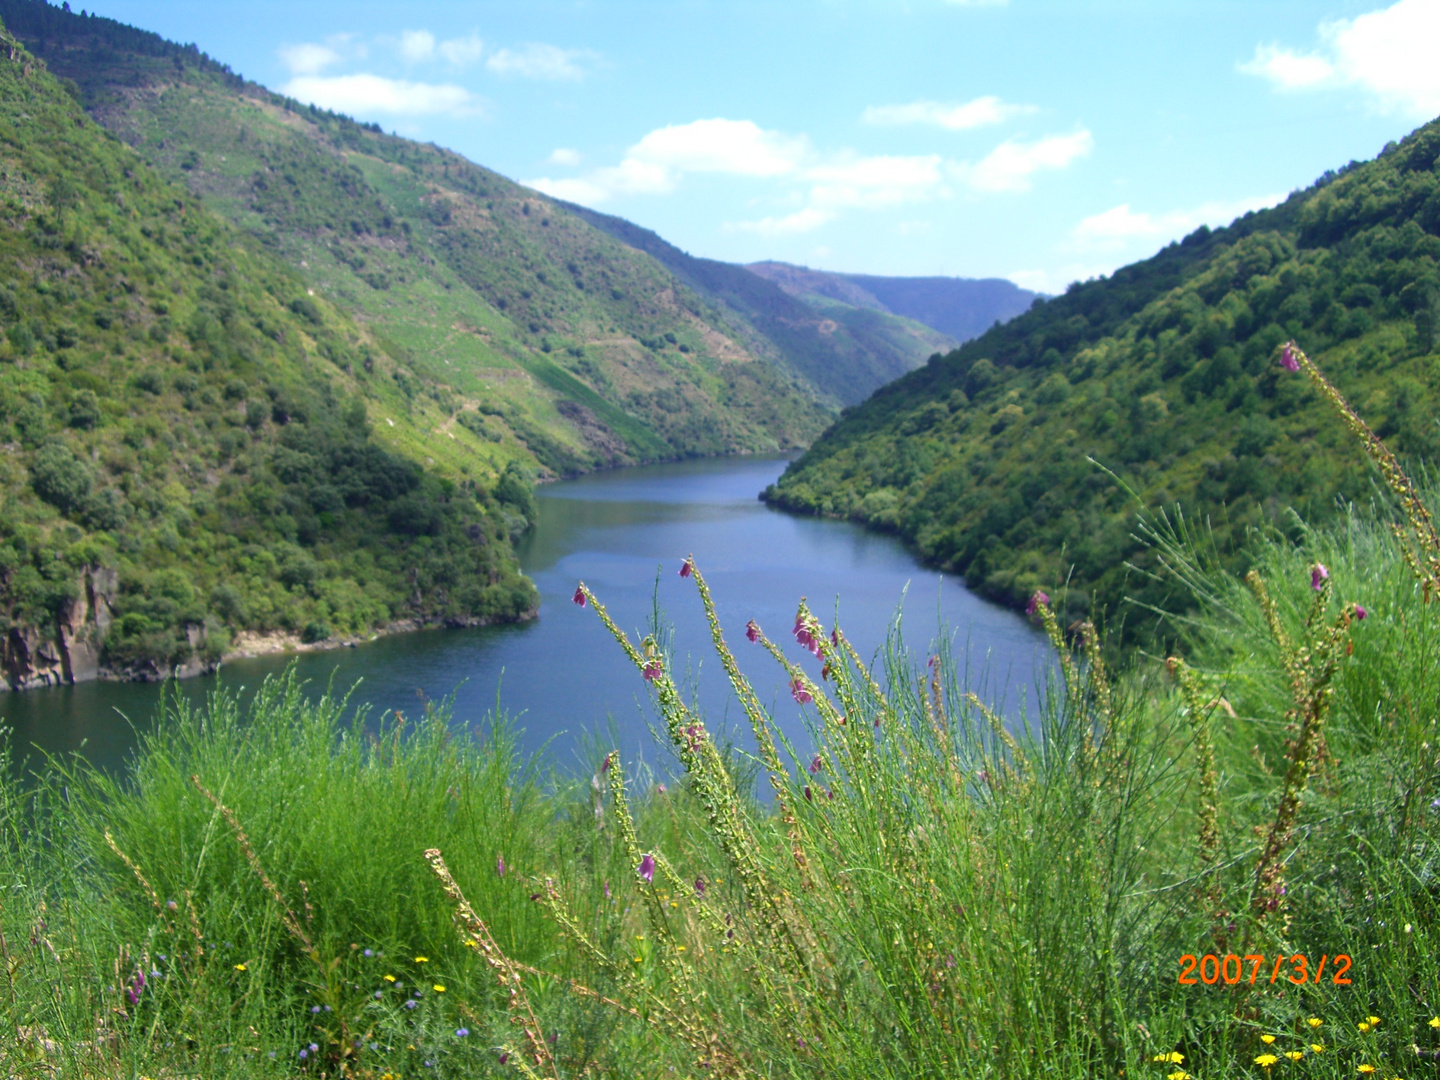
x,y
561,678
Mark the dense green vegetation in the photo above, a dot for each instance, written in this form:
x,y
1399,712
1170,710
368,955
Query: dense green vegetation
x,y
1167,374
924,894
175,406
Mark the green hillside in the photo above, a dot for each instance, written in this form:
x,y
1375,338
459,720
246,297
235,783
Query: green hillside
x,y
193,443
1166,373
845,350
566,348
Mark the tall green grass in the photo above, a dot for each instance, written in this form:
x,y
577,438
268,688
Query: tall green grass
x,y
912,892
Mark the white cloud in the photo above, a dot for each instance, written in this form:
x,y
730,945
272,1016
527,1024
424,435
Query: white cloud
x,y
1288,69
1010,165
798,222
875,181
539,61
1391,53
562,155
308,58
417,45
365,94
1120,225
738,147
971,114
462,51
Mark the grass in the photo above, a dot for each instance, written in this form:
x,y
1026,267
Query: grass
x,y
918,893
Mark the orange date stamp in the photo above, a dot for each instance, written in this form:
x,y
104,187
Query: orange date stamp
x,y
1230,969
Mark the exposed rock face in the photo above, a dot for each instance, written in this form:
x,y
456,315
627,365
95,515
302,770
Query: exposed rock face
x,y
69,650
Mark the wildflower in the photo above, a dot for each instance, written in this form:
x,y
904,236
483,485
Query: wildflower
x,y
1372,1020
389,978
1178,1074
1267,1039
652,669
1174,1057
1035,601
314,1049
438,988
647,868
304,1054
239,967
422,959
411,1003
1294,1055
379,994
815,765
1314,1021
170,905
699,886
500,865
1435,1021
579,597
1266,1060
136,988
660,788
607,890
752,632
368,953
1360,612
685,569
808,796
460,1033
1366,1068
605,765
504,1057
314,1008
799,693
1318,573
1364,1027
1316,1048
1287,359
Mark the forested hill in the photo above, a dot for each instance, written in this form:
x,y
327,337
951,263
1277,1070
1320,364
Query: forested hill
x,y
188,446
1166,373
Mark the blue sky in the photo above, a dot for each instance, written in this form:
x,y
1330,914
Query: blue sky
x,y
1041,141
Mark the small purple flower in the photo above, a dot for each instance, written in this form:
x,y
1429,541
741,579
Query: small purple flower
x,y
685,569
799,693
460,1033
660,788
504,1057
1287,358
314,1049
609,760
950,960
699,886
500,865
808,797
304,1054
314,1008
647,867
136,988
607,890
411,1003
815,765
652,669
1360,612
368,953
379,994
1035,602
752,632
579,597
170,905
1318,574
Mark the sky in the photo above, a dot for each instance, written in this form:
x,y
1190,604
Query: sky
x,y
1035,140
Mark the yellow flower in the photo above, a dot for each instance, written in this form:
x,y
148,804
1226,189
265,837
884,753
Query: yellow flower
x,y
389,978
1175,1057
1363,1027
1267,1039
1294,1055
1314,1021
1367,1069
1435,1021
422,959
1372,1020
1266,1060
471,943
239,967
438,988
1316,1048
1178,1074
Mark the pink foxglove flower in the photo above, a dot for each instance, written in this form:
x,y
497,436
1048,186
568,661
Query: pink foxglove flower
x,y
685,569
647,868
500,865
652,669
799,693
752,632
1035,602
1360,612
699,886
1287,358
815,765
1318,575
579,597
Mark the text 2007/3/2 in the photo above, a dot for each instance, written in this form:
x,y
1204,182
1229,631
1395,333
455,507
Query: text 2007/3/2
x,y
1231,969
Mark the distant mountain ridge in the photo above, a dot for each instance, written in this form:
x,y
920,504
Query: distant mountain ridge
x,y
962,308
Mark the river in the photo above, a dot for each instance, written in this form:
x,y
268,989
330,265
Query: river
x,y
561,677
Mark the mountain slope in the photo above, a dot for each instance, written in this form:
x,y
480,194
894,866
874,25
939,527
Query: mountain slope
x,y
569,349
191,443
846,351
1166,373
961,308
